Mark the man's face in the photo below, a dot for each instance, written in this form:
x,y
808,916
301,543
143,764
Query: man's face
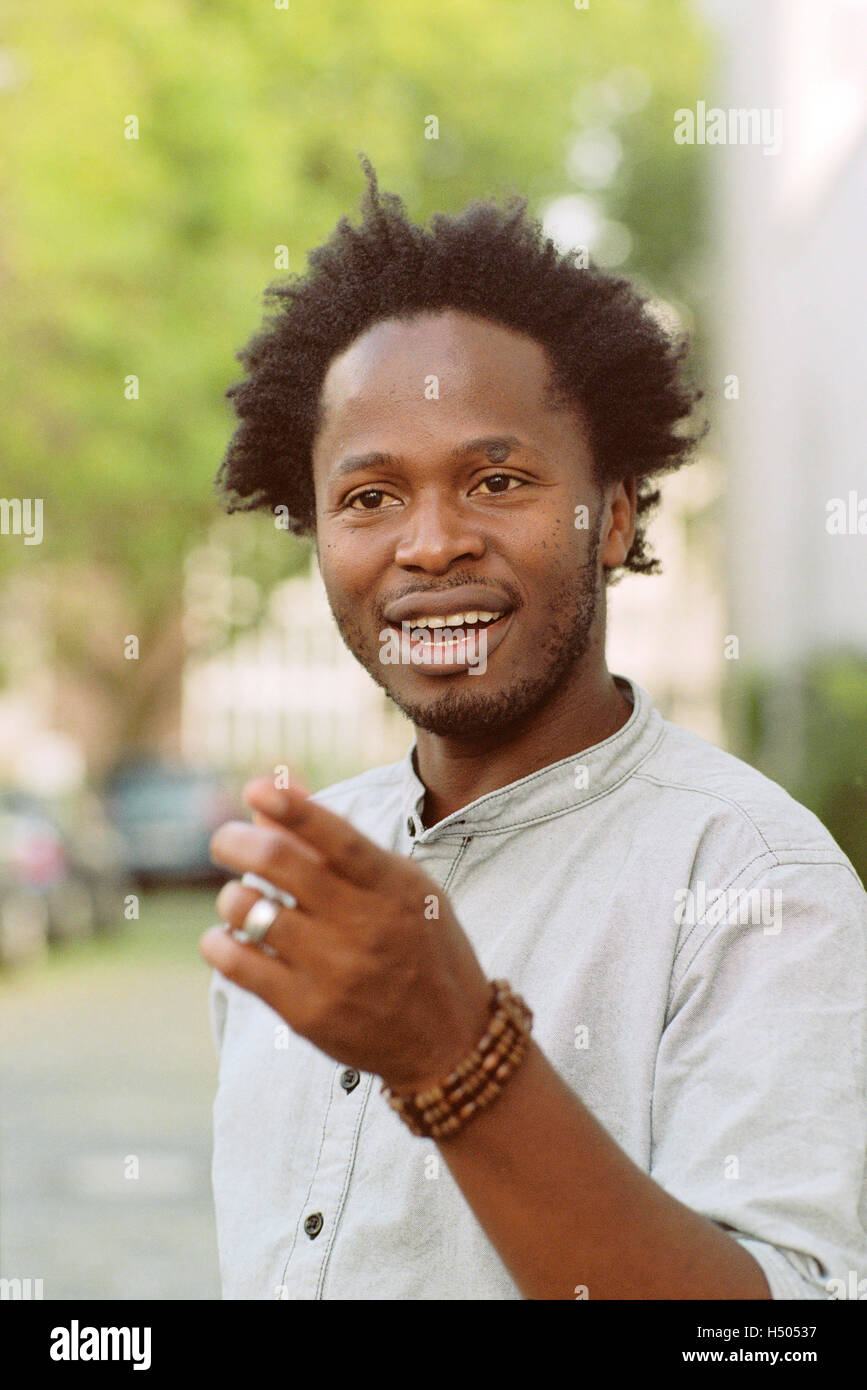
x,y
447,483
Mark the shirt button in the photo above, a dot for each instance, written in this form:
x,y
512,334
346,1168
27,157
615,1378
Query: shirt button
x,y
349,1079
313,1224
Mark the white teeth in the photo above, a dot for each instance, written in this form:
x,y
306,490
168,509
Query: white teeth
x,y
455,619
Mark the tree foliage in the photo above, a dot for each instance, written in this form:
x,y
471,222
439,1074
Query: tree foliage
x,y
147,257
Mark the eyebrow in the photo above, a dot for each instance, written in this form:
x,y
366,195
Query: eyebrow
x,y
355,462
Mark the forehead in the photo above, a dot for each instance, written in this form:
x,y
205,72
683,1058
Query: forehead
x,y
432,366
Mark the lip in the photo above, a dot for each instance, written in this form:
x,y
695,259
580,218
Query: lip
x,y
463,654
468,599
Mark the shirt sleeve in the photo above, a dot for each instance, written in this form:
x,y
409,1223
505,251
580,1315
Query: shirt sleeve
x,y
759,1117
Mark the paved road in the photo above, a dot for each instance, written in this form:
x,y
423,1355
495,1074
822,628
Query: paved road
x,y
107,1069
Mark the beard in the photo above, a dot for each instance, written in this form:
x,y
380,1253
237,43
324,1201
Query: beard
x,y
469,714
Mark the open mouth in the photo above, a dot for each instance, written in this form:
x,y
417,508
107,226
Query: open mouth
x,y
437,645
442,631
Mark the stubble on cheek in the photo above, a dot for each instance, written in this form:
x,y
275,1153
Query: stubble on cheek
x,y
357,635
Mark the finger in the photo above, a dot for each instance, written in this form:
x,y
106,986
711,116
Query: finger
x,y
296,785
302,847
270,854
267,976
345,850
234,902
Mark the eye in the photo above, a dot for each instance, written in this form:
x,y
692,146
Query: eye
x,y
364,497
501,478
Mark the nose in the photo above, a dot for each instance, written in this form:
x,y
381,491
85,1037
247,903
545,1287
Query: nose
x,y
437,532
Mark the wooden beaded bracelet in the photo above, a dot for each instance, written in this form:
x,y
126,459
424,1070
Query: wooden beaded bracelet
x,y
441,1110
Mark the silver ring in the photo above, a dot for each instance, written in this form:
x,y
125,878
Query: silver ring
x,y
269,890
261,916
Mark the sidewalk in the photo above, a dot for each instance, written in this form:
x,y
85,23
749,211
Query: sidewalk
x,y
106,1083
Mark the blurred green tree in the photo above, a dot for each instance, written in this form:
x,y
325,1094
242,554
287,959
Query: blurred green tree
x,y
157,157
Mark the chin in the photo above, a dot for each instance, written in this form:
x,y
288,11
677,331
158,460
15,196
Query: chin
x,y
468,714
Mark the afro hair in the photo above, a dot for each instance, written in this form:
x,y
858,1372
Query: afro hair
x,y
609,355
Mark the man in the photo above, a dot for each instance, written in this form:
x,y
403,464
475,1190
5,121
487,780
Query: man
x,y
470,426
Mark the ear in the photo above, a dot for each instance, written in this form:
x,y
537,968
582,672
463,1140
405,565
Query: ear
x,y
618,523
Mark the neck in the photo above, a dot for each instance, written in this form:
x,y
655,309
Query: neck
x,y
456,771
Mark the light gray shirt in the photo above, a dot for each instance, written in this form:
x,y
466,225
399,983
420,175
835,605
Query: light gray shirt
x,y
693,944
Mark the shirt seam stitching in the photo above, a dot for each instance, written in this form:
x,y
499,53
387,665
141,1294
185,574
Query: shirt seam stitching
x,y
561,811
677,977
309,1187
637,734
706,791
695,926
455,862
833,863
353,1154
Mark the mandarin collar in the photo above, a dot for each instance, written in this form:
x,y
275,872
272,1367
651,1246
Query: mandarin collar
x,y
551,790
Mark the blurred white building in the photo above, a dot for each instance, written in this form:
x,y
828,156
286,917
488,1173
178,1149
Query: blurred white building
x,y
791,276
668,631
788,401
791,283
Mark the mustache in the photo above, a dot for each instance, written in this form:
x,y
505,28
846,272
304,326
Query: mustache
x,y
454,581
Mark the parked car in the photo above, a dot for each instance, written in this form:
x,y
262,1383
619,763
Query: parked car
x,y
97,856
61,876
166,814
